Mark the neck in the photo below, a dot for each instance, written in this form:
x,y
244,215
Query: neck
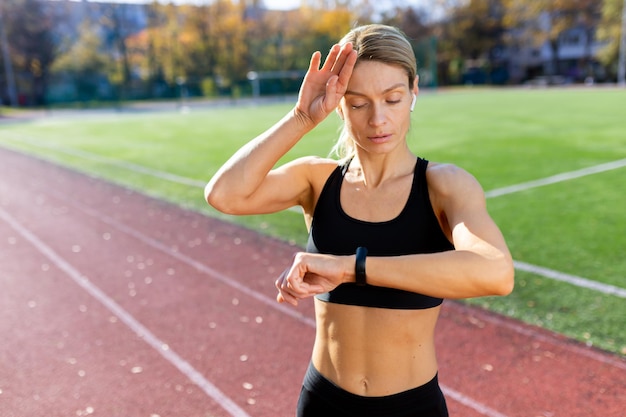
x,y
375,170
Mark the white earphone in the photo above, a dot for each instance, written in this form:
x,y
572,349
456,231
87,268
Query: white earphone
x,y
413,102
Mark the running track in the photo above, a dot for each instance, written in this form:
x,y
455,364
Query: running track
x,y
115,304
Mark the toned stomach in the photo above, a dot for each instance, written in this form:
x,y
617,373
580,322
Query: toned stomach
x,y
375,351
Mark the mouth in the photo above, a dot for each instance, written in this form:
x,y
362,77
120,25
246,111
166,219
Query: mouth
x,y
380,138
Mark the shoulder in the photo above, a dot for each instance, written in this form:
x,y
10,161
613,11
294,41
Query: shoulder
x,y
449,184
312,170
448,174
311,166
319,169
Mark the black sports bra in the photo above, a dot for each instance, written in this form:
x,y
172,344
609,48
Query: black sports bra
x,y
415,230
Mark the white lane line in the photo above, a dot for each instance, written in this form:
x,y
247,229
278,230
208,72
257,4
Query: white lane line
x,y
182,365
199,266
111,161
470,403
571,279
565,176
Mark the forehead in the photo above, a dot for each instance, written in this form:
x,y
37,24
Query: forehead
x,y
373,77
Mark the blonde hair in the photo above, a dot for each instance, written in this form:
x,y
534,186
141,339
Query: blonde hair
x,y
380,43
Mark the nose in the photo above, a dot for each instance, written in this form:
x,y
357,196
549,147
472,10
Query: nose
x,y
378,116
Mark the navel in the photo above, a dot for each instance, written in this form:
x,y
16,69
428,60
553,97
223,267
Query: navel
x,y
364,385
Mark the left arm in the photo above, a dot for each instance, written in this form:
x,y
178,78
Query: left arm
x,y
480,264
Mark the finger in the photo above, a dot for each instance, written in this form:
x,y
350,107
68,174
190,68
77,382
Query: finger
x,y
331,58
314,289
346,69
314,65
311,291
285,289
279,281
292,285
316,58
341,58
295,282
330,96
284,297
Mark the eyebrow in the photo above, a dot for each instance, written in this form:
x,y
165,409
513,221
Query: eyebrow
x,y
393,87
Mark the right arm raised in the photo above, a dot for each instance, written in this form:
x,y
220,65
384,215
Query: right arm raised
x,y
246,183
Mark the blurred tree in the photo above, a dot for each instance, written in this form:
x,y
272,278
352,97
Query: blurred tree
x,y
117,23
201,47
149,54
28,30
333,24
84,64
8,87
324,28
477,27
415,23
165,45
282,41
609,32
186,45
468,37
228,32
173,48
270,40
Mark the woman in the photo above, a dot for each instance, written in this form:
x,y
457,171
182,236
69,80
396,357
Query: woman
x,y
390,234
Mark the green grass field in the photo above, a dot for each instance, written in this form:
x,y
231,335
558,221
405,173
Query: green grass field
x,y
503,137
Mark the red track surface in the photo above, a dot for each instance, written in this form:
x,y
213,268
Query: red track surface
x,y
116,304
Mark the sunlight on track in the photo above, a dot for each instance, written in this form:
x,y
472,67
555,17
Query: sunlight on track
x,y
143,332
186,368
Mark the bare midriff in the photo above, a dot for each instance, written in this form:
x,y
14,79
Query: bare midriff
x,y
375,351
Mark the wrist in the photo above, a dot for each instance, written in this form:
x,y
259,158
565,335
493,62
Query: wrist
x,y
303,120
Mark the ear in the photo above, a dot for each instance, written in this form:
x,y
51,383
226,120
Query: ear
x,y
415,92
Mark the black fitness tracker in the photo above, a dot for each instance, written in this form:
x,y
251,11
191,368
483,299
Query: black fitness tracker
x,y
359,267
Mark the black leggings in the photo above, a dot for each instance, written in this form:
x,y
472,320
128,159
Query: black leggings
x,y
322,398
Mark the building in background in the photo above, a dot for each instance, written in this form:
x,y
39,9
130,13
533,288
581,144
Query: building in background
x,y
571,58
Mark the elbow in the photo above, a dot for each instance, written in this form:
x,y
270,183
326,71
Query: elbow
x,y
217,198
211,196
504,277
